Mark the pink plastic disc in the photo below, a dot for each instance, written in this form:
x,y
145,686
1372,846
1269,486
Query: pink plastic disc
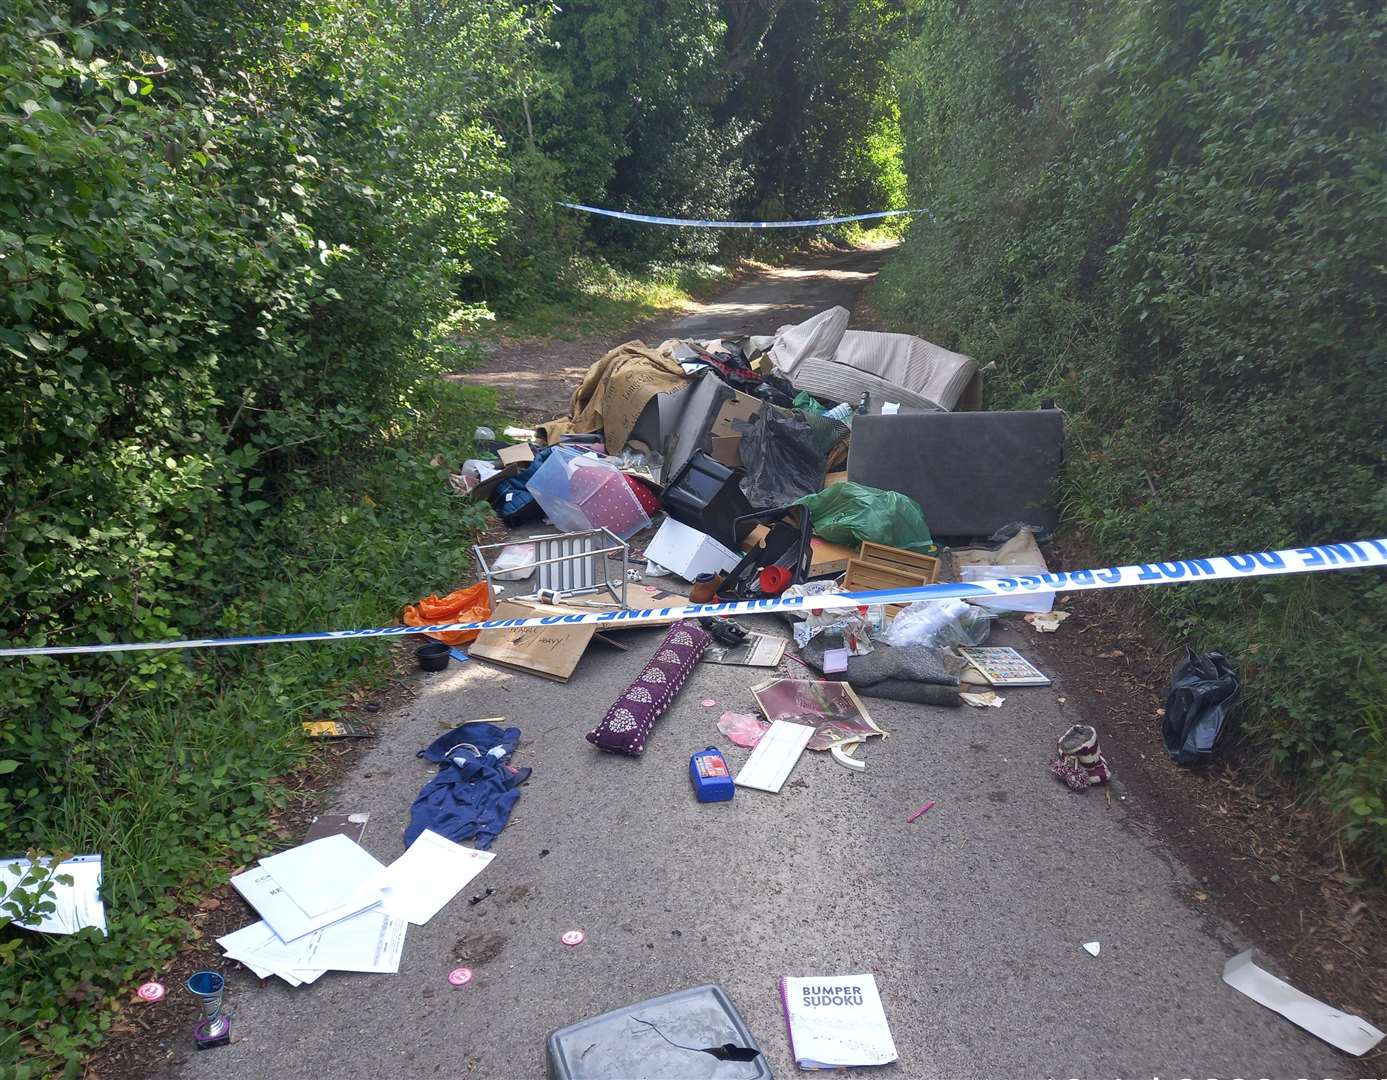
x,y
709,703
151,991
573,937
460,976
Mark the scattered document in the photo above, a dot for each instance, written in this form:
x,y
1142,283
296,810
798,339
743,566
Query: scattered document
x,y
370,942
421,881
75,906
775,756
836,1022
323,875
244,943
289,921
1351,1034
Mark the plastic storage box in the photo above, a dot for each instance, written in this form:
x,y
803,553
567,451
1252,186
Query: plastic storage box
x,y
580,492
627,1042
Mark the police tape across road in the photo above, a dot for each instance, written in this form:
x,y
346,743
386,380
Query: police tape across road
x,y
1354,555
702,223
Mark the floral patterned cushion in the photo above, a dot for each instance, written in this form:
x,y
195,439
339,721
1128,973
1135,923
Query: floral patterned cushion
x,y
627,723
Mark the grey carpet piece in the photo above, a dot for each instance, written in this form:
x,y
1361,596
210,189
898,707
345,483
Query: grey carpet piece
x,y
914,673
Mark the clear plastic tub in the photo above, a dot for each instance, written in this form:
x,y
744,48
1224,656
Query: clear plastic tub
x,y
580,491
1017,602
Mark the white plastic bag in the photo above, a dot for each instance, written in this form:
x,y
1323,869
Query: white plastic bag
x,y
940,623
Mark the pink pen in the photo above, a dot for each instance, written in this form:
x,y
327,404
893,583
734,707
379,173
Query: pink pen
x,y
918,812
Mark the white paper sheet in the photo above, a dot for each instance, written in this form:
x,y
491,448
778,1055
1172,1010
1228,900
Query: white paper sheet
x,y
427,876
1351,1034
242,943
323,875
76,906
836,1021
289,922
775,755
370,942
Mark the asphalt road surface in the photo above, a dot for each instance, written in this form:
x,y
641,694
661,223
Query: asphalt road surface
x,y
972,918
536,379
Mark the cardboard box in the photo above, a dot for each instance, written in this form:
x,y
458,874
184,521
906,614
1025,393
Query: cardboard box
x,y
741,407
688,552
482,492
725,450
520,454
827,558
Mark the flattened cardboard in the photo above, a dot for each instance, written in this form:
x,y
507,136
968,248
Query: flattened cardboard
x,y
549,652
726,450
520,454
742,407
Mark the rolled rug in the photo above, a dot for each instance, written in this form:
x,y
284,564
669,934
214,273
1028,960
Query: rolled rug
x,y
628,722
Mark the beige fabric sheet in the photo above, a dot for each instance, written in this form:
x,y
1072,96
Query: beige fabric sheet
x,y
613,393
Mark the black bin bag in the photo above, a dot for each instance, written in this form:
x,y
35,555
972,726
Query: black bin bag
x,y
1203,692
784,455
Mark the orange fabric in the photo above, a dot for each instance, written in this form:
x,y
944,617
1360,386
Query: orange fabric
x,y
465,605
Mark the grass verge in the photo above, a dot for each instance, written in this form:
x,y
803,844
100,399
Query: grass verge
x,y
176,779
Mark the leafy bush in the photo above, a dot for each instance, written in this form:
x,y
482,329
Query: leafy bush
x,y
1170,217
225,283
173,780
186,330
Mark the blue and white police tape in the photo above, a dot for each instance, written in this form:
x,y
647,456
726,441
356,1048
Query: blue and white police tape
x,y
1353,555
702,223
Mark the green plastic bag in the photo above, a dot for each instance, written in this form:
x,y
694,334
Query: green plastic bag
x,y
843,513
807,402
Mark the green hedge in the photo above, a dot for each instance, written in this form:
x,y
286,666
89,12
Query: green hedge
x,y
1171,217
229,248
212,283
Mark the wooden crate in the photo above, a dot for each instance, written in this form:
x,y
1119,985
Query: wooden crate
x,y
907,562
862,576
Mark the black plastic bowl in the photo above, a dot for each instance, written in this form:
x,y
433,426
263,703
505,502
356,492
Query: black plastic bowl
x,y
433,656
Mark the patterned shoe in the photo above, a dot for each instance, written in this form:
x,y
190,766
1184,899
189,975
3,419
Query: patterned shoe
x,y
1080,763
